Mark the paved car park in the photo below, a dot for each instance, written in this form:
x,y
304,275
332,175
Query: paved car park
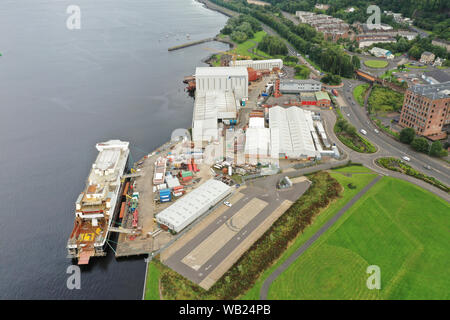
x,y
214,246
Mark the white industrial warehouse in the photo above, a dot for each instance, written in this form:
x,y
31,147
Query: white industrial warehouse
x,y
258,64
233,79
293,124
298,86
209,108
194,204
291,134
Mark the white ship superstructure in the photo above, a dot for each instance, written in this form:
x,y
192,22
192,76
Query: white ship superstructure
x,y
97,204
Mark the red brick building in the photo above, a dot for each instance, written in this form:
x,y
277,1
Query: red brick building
x,y
426,108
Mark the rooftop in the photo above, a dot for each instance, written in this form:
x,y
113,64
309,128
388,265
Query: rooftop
x,y
320,95
296,81
192,205
433,91
438,75
221,71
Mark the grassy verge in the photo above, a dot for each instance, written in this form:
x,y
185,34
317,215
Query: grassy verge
x,y
152,285
359,93
415,67
353,168
245,272
376,64
241,49
347,134
359,180
398,165
394,134
396,226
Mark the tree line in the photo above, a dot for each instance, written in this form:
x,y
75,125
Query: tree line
x,y
241,28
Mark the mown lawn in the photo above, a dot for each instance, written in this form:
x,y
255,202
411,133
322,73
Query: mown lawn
x,y
241,49
358,180
376,63
397,226
152,285
353,169
415,67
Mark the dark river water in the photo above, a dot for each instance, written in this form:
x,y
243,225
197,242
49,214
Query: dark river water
x,y
62,91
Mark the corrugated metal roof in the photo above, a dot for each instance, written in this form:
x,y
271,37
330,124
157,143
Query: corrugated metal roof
x,y
220,71
185,210
294,127
320,95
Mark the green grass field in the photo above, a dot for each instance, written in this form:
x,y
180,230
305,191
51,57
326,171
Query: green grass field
x,y
359,180
359,92
415,67
242,48
376,63
397,226
353,169
152,285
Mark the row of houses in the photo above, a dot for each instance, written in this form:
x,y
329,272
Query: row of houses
x,y
332,28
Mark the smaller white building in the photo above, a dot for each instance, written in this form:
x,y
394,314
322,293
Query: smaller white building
x,y
194,204
258,64
381,53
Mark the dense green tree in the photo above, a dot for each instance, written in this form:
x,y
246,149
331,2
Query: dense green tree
x,y
239,36
356,62
436,149
407,135
273,45
302,72
331,79
420,144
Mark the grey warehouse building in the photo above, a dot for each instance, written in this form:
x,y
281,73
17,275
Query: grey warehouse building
x,y
297,86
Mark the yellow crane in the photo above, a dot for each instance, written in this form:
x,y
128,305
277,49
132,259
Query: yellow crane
x,y
231,53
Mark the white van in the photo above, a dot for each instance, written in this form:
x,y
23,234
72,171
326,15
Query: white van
x,y
406,158
364,132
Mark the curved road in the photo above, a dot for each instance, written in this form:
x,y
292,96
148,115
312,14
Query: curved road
x,y
266,285
387,145
384,149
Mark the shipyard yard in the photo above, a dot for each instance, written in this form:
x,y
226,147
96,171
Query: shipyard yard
x,y
202,199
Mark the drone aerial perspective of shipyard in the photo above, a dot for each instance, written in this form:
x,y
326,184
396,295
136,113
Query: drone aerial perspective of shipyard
x,y
226,150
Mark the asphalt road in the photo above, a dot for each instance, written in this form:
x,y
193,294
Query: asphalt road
x,y
388,146
264,189
266,285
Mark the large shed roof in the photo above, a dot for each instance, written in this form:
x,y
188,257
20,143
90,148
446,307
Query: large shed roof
x,y
185,210
295,140
221,71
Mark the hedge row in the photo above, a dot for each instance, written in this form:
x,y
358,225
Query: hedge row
x,y
264,252
395,164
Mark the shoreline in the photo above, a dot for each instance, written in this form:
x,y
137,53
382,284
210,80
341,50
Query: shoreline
x,y
164,146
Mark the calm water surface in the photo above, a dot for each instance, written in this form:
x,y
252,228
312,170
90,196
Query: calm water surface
x,y
61,92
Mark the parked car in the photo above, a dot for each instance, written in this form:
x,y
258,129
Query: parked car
x,y
364,132
227,203
427,167
376,131
406,158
